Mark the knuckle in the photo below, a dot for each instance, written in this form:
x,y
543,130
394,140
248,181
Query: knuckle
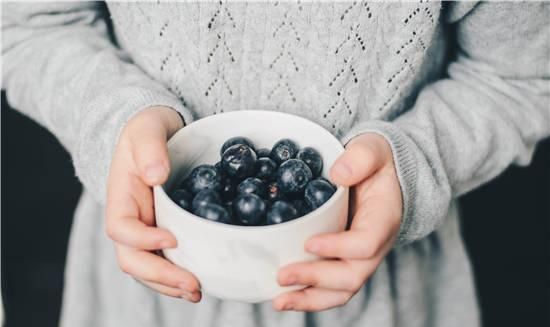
x,y
354,283
111,231
368,249
395,223
347,297
125,266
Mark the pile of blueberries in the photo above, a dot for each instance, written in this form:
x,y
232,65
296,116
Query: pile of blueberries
x,y
252,187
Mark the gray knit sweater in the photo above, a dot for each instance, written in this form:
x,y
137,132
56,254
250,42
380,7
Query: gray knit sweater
x,y
460,91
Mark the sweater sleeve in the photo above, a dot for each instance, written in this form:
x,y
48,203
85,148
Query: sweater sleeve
x,y
489,112
61,69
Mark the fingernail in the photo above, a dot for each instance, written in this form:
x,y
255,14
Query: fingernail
x,y
288,306
343,170
155,173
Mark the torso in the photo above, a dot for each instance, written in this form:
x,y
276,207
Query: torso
x,y
334,63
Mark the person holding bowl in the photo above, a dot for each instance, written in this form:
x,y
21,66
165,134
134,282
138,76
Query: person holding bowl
x,y
431,100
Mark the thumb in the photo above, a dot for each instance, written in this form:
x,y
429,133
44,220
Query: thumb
x,y
150,153
363,156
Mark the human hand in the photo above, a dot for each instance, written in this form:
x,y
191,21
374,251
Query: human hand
x,y
140,161
350,257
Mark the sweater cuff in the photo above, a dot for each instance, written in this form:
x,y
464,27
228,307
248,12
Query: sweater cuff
x,y
102,125
151,98
405,166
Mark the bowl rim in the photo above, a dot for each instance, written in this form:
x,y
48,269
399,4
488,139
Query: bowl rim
x,y
340,190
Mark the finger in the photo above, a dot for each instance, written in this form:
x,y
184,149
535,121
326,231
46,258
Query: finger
x,y
311,299
151,154
128,200
336,275
360,160
128,195
372,228
171,291
152,268
351,244
143,197
132,232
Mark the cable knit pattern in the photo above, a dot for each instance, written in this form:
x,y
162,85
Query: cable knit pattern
x,y
349,61
453,123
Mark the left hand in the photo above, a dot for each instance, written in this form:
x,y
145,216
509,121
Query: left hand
x,y
350,257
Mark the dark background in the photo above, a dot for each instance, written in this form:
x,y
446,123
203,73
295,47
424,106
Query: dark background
x,y
505,227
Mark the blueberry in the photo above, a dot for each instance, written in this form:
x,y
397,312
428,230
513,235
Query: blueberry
x,y
205,197
249,209
263,153
239,161
228,189
321,178
318,192
283,150
313,160
293,176
229,207
182,198
280,212
252,185
301,206
274,192
213,212
236,140
266,169
219,168
203,177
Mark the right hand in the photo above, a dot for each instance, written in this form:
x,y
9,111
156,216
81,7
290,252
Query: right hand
x,y
140,161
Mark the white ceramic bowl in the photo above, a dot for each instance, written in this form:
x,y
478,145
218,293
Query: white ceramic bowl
x,y
239,262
